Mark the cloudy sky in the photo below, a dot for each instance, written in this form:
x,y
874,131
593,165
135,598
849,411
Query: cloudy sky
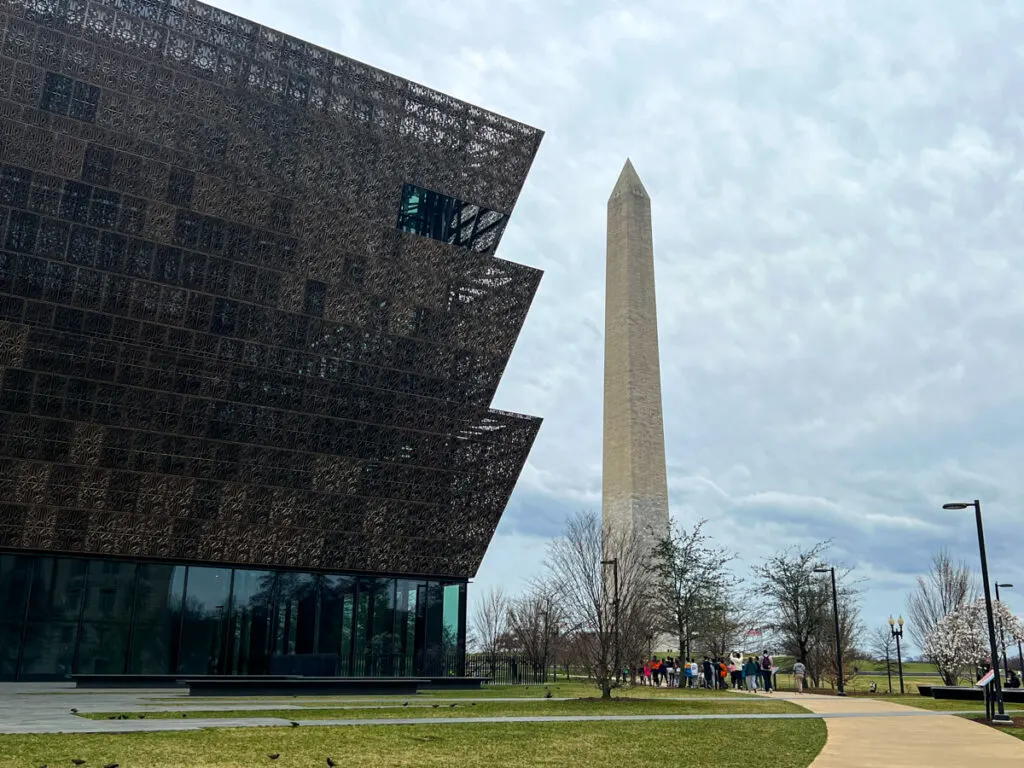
x,y
838,217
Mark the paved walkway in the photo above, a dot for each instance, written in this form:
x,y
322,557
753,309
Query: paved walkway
x,y
861,732
882,736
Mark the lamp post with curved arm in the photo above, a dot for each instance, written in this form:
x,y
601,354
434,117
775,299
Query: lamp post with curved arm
x,y
1000,716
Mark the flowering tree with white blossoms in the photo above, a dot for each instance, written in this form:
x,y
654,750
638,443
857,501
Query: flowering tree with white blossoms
x,y
959,642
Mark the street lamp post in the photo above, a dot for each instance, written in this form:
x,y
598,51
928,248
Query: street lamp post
x,y
1000,716
839,642
614,563
898,634
1002,634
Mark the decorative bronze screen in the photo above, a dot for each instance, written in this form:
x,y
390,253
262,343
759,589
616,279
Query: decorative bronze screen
x,y
249,307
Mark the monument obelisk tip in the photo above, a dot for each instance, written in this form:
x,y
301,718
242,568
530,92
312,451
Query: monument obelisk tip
x,y
629,182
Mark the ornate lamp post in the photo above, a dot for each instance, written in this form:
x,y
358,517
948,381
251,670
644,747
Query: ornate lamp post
x,y
898,634
1000,716
839,642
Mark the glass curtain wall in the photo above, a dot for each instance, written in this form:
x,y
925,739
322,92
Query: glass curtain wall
x,y
63,616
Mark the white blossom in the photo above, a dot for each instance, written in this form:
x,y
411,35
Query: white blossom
x,y
960,640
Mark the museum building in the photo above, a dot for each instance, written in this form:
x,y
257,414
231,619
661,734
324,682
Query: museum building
x,y
251,325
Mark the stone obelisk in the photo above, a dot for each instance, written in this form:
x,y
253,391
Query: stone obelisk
x,y
635,492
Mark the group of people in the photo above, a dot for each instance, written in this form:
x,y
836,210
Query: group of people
x,y
752,673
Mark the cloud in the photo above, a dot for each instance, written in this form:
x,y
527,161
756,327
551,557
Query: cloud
x,y
837,202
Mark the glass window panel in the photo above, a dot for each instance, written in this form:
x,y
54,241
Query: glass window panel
x,y
433,630
361,629
158,602
102,648
295,622
15,575
57,589
450,628
248,631
49,650
109,592
10,644
337,615
405,626
206,603
382,626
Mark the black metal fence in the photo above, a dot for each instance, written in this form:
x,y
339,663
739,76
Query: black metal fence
x,y
513,669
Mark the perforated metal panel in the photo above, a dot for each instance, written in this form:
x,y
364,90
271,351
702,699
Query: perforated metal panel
x,y
216,342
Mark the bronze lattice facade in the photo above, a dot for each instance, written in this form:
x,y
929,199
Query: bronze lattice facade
x,y
250,311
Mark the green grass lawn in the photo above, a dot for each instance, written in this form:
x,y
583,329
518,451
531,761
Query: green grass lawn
x,y
780,743
1016,730
618,706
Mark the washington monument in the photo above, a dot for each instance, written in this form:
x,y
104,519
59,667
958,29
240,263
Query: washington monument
x,y
635,492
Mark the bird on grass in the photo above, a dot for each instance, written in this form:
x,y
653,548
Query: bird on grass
x,y
405,703
184,715
453,706
111,765
78,761
433,706
294,724
274,755
473,704
112,717
142,717
331,763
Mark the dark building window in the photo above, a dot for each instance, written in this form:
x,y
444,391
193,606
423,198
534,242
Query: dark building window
x,y
75,203
179,187
74,98
14,186
21,231
84,101
97,165
57,91
431,214
316,298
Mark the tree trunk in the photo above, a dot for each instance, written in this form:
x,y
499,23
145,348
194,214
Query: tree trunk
x,y
606,690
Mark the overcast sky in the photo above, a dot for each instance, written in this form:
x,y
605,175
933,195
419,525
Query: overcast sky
x,y
838,211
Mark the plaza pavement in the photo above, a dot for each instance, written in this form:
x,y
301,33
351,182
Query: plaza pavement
x,y
882,736
861,732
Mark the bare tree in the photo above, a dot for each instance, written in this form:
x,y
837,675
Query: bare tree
x,y
692,587
490,620
577,572
535,620
948,586
883,648
798,608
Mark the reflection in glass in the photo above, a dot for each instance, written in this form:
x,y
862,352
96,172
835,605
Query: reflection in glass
x,y
295,620
57,587
248,630
337,611
158,603
55,602
206,604
381,642
15,576
405,626
433,630
49,650
106,617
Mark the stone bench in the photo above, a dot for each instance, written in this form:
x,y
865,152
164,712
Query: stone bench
x,y
304,686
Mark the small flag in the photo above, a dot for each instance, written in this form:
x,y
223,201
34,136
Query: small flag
x,y
988,678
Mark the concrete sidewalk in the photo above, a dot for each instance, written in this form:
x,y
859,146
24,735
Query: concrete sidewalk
x,y
879,736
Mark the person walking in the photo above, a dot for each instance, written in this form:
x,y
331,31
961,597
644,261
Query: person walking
x,y
766,671
750,674
799,670
736,669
